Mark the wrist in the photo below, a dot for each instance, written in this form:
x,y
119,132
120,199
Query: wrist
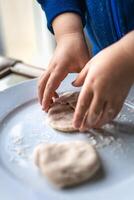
x,y
74,37
127,45
67,24
127,49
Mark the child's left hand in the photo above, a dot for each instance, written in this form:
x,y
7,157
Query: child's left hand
x,y
106,81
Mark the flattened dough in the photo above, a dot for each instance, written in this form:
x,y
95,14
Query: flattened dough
x,y
60,115
67,164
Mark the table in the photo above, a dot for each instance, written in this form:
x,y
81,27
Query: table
x,y
14,71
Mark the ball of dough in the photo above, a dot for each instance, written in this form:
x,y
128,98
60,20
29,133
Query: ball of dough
x,y
68,163
60,115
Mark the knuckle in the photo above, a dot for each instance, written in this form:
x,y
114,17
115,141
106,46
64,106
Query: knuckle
x,y
97,110
57,61
94,83
92,80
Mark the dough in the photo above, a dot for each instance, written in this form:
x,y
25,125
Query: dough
x,y
68,98
60,115
67,164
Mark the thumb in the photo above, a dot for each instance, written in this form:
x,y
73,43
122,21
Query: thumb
x,y
81,77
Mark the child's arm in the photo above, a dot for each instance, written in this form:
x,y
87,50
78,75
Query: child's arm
x,y
106,81
54,8
71,55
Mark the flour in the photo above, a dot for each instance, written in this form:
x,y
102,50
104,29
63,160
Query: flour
x,y
21,147
100,139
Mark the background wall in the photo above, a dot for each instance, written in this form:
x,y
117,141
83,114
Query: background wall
x,y
24,33
1,37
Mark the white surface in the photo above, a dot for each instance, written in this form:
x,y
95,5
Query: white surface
x,y
22,127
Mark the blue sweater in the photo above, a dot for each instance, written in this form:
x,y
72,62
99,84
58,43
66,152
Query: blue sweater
x,y
105,21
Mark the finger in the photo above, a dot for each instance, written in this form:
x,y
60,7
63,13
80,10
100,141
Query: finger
x,y
82,106
109,113
42,84
81,77
53,83
68,97
95,111
55,96
83,126
41,88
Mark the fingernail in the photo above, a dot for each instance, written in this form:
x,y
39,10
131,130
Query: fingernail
x,y
43,108
73,83
77,124
84,129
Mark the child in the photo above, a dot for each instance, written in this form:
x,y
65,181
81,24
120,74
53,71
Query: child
x,y
105,78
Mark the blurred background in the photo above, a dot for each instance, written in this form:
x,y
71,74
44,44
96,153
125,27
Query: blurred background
x,y
23,32
23,36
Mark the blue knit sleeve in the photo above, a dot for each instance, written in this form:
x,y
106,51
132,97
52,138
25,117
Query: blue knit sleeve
x,y
54,8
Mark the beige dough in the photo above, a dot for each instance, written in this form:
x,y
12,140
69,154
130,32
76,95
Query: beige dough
x,y
60,115
67,164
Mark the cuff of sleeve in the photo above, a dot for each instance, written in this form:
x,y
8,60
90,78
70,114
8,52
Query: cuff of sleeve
x,y
53,8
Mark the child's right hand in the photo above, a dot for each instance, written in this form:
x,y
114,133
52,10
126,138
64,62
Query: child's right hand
x,y
70,56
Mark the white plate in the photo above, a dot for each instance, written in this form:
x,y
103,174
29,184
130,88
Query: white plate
x,y
22,127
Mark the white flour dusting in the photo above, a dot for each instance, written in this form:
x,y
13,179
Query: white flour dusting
x,y
21,143
21,148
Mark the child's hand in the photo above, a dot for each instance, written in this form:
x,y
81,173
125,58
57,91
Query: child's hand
x,y
107,79
71,55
